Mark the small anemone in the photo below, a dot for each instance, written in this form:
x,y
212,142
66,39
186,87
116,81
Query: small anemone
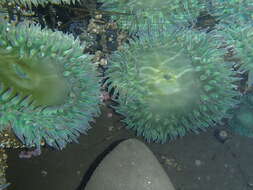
x,y
49,90
242,120
172,85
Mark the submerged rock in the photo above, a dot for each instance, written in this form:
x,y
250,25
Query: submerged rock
x,y
130,166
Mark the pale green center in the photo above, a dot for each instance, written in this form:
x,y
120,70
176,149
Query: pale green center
x,y
41,80
169,79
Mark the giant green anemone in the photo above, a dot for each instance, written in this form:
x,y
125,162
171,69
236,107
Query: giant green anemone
x,y
49,89
143,15
171,85
242,120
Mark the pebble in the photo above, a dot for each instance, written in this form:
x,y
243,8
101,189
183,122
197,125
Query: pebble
x,y
226,166
109,138
104,96
109,115
198,163
103,61
98,16
171,162
110,128
31,153
43,173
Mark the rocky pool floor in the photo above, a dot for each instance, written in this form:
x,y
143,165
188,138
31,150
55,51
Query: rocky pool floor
x,y
195,162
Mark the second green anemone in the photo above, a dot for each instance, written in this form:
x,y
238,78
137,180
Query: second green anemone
x,y
169,86
155,15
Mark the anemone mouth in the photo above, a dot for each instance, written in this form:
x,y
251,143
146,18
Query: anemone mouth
x,y
169,79
38,79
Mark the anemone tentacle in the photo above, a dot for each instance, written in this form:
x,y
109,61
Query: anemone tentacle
x,y
238,35
30,3
233,11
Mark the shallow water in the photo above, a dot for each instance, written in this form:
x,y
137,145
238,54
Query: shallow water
x,y
195,162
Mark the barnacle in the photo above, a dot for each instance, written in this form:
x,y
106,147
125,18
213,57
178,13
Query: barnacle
x,y
48,88
242,120
171,85
30,3
157,15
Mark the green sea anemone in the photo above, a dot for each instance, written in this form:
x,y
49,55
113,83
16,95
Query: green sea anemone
x,y
239,35
236,27
242,120
49,90
149,15
169,86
